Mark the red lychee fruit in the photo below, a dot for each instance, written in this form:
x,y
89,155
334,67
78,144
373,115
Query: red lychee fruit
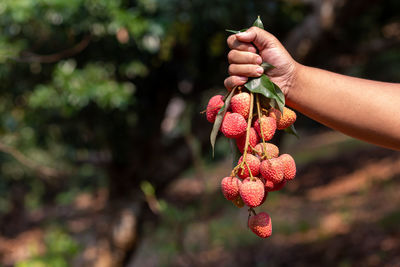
x,y
253,163
268,127
261,224
289,166
272,170
283,120
269,150
233,125
214,105
270,186
252,191
230,187
240,103
253,140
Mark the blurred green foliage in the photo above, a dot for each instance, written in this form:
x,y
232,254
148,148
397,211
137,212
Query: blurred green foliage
x,y
85,85
60,249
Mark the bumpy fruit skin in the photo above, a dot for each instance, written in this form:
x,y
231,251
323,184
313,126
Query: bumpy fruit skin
x,y
261,224
252,192
272,170
283,120
214,105
240,103
289,166
268,127
253,163
253,140
230,187
270,186
271,150
233,125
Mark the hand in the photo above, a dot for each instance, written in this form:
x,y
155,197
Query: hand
x,y
244,62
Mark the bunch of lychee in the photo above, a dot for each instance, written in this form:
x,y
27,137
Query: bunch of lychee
x,y
260,169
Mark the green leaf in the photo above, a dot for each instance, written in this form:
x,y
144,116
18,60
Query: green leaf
x,y
273,103
258,23
219,118
281,97
234,31
292,130
263,85
235,152
266,66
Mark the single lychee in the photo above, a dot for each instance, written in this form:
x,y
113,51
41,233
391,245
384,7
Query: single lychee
x,y
233,125
270,186
214,105
261,224
272,169
289,166
253,140
230,187
240,103
252,191
269,150
283,120
252,163
268,127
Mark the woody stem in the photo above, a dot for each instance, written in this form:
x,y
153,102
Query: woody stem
x,y
259,120
248,132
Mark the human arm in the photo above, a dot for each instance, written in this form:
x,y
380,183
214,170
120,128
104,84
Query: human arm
x,y
365,109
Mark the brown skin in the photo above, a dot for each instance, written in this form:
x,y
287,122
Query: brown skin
x,y
365,109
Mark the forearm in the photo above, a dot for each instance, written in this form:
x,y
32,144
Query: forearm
x,y
364,109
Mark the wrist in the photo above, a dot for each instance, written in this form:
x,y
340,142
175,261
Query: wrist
x,y
294,84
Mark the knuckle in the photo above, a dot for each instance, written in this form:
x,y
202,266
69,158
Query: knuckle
x,y
231,69
227,83
231,55
230,40
255,58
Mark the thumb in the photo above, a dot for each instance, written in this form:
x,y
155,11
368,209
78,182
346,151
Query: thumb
x,y
259,37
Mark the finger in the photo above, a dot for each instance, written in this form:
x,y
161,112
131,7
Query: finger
x,y
234,43
233,81
248,70
243,57
259,37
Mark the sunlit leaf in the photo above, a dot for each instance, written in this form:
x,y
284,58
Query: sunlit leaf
x,y
219,118
266,66
235,152
233,31
292,130
258,23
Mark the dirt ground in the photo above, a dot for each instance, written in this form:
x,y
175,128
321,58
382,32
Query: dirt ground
x,y
342,209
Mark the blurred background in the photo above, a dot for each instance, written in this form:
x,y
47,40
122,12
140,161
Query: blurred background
x,y
105,157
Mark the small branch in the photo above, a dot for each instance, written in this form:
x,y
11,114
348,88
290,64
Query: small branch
x,y
45,171
76,49
246,146
261,128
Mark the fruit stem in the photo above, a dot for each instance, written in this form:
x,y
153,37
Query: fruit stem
x,y
246,146
251,210
261,128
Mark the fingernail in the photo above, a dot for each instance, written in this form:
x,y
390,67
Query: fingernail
x,y
242,34
243,79
260,70
258,60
